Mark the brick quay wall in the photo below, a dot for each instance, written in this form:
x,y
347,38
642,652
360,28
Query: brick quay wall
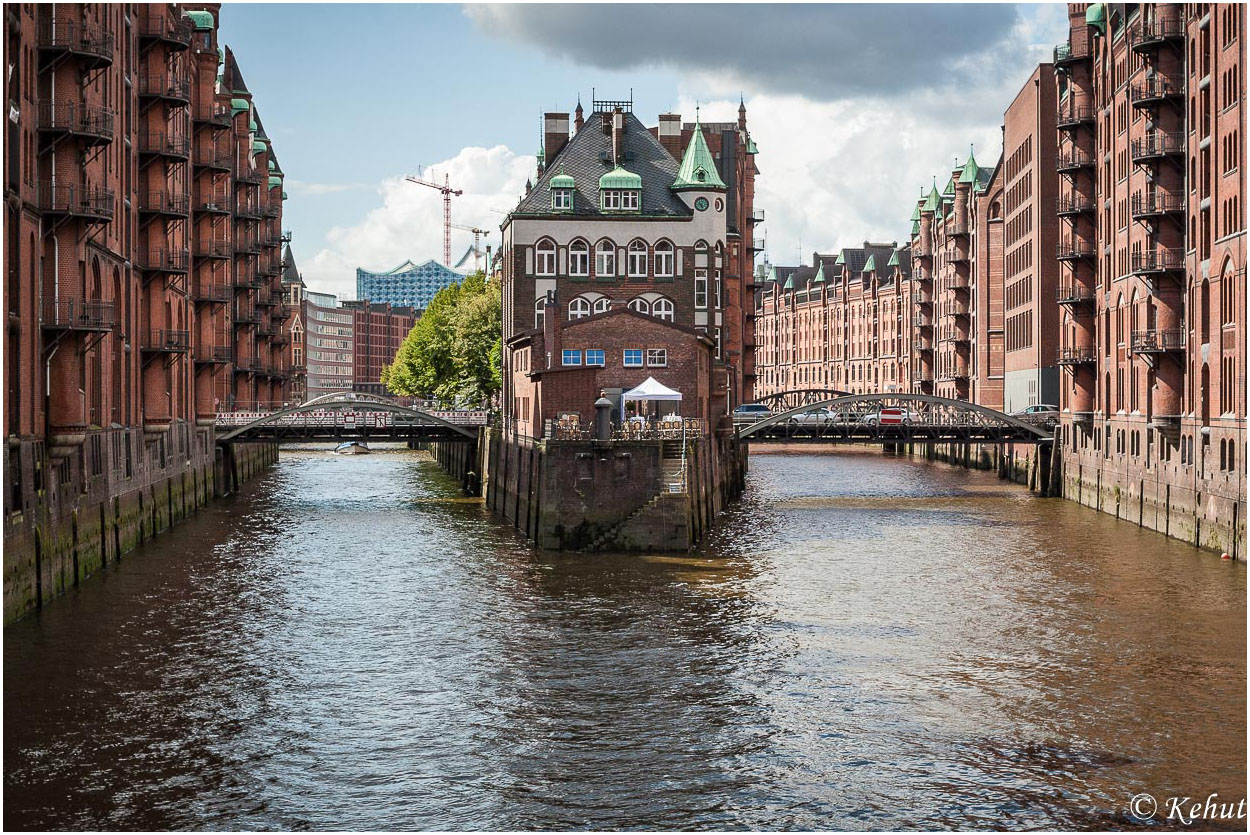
x,y
73,515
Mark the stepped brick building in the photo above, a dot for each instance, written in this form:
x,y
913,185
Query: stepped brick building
x,y
629,258
1151,133
143,206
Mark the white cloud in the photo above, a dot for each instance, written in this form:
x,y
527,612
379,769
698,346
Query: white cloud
x,y
409,221
299,187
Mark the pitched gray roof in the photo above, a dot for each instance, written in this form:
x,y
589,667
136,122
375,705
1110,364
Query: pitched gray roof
x,y
588,156
290,273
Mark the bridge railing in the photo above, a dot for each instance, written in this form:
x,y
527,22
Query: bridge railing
x,y
345,418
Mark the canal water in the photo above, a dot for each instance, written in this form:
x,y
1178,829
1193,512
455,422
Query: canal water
x,y
864,643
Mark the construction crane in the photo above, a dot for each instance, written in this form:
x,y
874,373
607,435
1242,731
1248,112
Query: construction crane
x,y
477,235
448,192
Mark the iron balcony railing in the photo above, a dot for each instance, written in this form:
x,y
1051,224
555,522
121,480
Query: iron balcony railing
x,y
165,202
244,173
957,227
1157,203
213,204
247,280
163,143
246,212
921,298
174,88
1155,89
91,42
757,216
78,314
1073,293
215,115
1073,204
208,292
213,354
94,124
247,316
210,157
213,248
76,200
1068,53
1148,34
1158,143
176,31
1072,250
1158,341
247,246
922,344
270,211
957,281
1074,160
958,255
1076,355
164,260
248,365
1158,261
167,340
1076,114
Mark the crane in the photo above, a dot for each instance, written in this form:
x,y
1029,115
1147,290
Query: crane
x,y
477,233
448,192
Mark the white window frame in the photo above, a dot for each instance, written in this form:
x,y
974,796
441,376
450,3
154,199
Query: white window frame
x,y
605,259
545,258
610,199
570,357
700,289
579,259
602,304
657,358
540,311
640,305
561,198
625,360
663,309
630,200
579,307
601,358
665,259
716,290
637,259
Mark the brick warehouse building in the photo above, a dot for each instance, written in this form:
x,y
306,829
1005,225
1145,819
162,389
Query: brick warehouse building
x,y
378,331
626,221
143,217
1151,135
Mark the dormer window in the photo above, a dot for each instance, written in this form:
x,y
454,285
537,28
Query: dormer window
x,y
619,200
620,191
562,192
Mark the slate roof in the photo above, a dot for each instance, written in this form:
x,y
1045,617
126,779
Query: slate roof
x,y
290,273
232,79
588,156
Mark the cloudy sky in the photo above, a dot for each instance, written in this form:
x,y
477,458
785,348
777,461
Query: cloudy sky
x,y
855,108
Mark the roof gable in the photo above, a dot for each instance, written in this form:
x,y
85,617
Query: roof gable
x,y
698,168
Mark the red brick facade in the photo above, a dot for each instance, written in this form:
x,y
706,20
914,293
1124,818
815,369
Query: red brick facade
x,y
379,331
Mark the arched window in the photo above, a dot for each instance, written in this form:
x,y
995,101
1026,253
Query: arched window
x,y
640,305
605,259
1204,313
662,309
579,258
540,305
579,307
637,259
545,258
603,304
664,259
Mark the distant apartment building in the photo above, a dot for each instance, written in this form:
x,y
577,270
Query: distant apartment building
x,y
329,344
1151,133
841,324
378,331
408,285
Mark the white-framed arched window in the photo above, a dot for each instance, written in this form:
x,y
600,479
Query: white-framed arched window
x,y
602,304
545,257
664,261
638,259
640,305
579,258
579,307
540,305
605,258
662,308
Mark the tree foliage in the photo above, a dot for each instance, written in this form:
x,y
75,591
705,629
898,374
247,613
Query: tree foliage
x,y
453,353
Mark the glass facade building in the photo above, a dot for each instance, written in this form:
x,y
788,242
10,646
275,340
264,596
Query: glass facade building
x,y
408,285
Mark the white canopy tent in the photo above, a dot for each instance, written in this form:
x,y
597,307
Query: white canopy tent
x,y
650,390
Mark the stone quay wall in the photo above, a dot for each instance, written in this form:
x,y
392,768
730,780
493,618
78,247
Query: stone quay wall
x,y
68,515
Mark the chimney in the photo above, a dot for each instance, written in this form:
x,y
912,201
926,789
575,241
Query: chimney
x,y
578,121
551,330
555,135
618,136
669,133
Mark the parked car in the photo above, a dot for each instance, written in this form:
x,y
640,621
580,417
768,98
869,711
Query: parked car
x,y
822,416
889,416
751,412
1042,414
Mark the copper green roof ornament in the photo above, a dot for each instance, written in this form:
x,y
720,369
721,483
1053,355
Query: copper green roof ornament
x,y
870,266
789,283
820,274
969,174
562,180
841,259
698,169
934,200
619,178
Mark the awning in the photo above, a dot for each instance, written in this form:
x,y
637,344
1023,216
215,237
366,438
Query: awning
x,y
652,389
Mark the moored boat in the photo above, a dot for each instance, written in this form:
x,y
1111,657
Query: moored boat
x,y
352,448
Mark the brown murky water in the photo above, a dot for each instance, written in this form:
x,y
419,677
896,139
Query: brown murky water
x,y
864,643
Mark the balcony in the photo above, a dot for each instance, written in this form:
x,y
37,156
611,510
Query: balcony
x,y
206,292
210,158
1074,160
92,125
1156,204
1069,357
921,298
244,173
272,242
1074,250
922,249
78,315
757,244
212,204
1158,341
247,246
271,211
1151,34
173,89
957,228
167,341
246,212
951,374
1074,294
164,261
1154,261
1158,144
958,281
1072,116
956,335
95,205
164,203
957,308
247,280
91,44
1066,54
958,255
245,316
1074,204
922,375
286,236
213,355
216,116
1153,91
176,32
165,144
922,320
248,365
272,269
218,249
922,343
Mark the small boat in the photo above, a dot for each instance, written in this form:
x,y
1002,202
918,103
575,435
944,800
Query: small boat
x,y
352,448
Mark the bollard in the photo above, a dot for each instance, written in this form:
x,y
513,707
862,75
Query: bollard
x,y
603,419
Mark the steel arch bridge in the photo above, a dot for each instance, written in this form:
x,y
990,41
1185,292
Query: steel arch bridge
x,y
784,401
894,418
348,416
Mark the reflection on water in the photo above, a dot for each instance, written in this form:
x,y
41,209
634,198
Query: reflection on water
x,y
864,642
